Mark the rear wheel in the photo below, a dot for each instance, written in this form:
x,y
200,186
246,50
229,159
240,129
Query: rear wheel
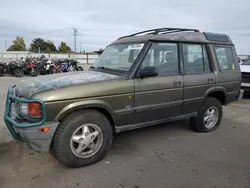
x,y
209,116
82,138
18,72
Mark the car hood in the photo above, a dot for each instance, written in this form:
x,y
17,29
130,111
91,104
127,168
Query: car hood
x,y
245,68
56,81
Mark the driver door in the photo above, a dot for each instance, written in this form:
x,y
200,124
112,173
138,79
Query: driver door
x,y
160,97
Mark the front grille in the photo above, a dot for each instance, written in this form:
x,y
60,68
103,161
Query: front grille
x,y
245,77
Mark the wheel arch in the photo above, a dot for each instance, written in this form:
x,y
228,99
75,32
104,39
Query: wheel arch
x,y
97,105
219,93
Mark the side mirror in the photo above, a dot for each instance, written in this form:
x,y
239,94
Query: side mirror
x,y
148,72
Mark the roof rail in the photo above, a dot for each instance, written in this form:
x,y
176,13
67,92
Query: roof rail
x,y
158,31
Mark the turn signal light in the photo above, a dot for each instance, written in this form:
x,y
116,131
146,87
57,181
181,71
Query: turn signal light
x,y
44,130
34,109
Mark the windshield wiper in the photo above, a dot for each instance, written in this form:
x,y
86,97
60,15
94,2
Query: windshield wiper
x,y
107,69
104,68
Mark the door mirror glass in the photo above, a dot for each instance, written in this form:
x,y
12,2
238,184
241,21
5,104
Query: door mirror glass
x,y
149,71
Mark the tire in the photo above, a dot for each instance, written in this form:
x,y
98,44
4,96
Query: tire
x,y
198,123
18,72
62,144
42,71
52,70
34,73
79,68
1,71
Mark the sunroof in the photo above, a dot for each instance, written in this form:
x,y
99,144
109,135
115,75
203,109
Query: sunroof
x,y
216,37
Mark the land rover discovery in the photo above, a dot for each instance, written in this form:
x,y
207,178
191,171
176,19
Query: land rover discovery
x,y
142,79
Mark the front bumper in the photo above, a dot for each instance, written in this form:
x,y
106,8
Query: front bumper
x,y
25,130
246,87
36,140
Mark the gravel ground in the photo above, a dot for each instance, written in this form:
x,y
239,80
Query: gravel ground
x,y
168,155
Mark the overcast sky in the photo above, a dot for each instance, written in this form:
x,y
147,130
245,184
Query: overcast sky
x,y
100,22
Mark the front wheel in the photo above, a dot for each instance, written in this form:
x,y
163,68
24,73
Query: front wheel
x,y
18,72
79,68
52,70
1,71
34,73
209,116
82,138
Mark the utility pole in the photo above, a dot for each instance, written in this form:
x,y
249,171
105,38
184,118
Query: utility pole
x,y
80,47
75,34
5,45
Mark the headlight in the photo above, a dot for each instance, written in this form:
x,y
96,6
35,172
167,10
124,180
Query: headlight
x,y
24,108
31,109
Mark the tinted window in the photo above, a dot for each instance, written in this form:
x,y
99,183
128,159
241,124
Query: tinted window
x,y
195,58
163,56
225,58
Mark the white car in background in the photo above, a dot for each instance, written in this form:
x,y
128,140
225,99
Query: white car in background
x,y
245,71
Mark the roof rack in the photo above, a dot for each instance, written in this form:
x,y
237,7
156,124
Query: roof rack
x,y
158,31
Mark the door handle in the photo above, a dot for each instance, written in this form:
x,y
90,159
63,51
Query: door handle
x,y
210,80
177,83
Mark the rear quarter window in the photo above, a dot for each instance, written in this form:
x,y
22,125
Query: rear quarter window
x,y
225,57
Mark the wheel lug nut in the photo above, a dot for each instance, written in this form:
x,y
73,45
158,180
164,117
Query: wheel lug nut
x,y
90,144
83,146
86,134
81,139
92,136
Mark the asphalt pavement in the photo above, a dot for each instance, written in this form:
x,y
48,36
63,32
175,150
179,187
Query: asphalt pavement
x,y
163,156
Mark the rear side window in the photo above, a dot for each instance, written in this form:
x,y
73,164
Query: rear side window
x,y
225,58
195,58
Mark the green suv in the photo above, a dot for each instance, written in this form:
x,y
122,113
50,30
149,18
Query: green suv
x,y
143,79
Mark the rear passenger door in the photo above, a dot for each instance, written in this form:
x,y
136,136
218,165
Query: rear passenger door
x,y
198,76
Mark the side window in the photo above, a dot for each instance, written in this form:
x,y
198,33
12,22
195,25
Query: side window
x,y
225,58
163,56
195,58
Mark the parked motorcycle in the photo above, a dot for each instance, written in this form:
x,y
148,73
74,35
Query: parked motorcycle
x,y
41,67
12,68
57,66
46,66
30,68
51,67
75,67
65,65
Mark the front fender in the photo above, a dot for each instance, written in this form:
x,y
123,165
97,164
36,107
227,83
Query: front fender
x,y
85,104
210,90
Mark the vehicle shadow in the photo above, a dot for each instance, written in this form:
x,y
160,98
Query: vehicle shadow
x,y
129,141
17,157
18,161
16,153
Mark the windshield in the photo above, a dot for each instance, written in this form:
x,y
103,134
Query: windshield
x,y
118,57
247,62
